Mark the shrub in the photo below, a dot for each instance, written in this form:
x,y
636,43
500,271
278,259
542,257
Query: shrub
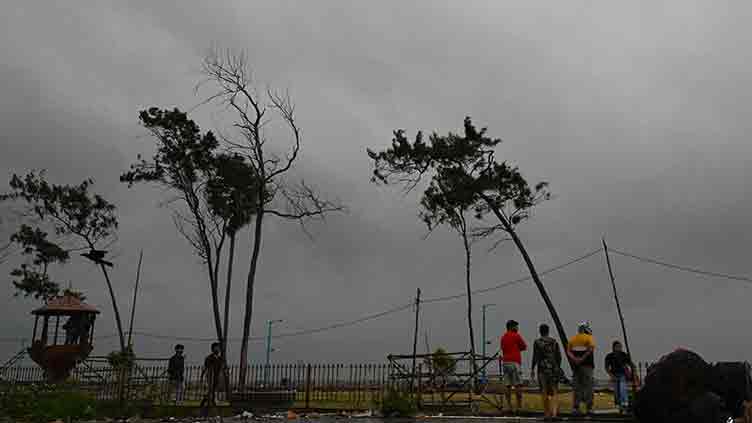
x,y
42,403
398,404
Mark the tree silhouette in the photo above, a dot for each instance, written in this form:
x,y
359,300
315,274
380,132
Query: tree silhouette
x,y
468,177
74,214
228,73
440,206
231,194
184,162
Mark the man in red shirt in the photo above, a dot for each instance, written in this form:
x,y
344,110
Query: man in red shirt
x,y
512,346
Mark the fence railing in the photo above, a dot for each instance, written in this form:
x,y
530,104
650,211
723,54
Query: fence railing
x,y
333,383
330,384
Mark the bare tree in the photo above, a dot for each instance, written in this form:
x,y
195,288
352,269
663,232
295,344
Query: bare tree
x,y
228,72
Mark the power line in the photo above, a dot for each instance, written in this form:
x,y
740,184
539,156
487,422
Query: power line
x,y
380,314
516,281
368,317
682,268
285,335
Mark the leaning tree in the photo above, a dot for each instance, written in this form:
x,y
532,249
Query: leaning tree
x,y
465,168
78,219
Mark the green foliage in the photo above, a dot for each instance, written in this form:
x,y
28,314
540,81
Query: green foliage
x,y
398,404
464,175
43,403
442,362
114,408
70,211
232,191
182,155
34,280
122,359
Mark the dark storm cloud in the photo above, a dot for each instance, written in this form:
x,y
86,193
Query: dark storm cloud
x,y
636,113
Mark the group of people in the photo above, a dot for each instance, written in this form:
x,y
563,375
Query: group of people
x,y
546,367
211,373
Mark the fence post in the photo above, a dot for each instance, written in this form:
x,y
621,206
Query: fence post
x,y
308,387
419,398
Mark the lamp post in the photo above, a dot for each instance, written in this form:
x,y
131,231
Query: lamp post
x,y
269,348
483,308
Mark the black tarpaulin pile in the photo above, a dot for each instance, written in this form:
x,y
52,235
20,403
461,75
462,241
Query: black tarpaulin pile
x,y
682,387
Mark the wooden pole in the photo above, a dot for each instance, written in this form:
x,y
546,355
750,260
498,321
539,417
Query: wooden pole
x,y
135,294
618,309
616,297
415,338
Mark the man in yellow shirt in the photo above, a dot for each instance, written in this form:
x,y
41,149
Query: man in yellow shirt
x,y
580,351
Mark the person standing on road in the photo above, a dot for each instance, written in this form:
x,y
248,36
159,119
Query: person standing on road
x,y
512,346
176,373
620,367
580,351
547,359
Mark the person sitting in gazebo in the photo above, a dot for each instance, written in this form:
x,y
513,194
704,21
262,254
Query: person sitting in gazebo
x,y
72,329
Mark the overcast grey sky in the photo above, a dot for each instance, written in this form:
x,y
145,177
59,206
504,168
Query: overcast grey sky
x,y
636,112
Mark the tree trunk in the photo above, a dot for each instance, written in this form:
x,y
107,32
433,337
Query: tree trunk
x,y
114,308
249,295
226,325
193,204
225,339
214,286
533,274
469,301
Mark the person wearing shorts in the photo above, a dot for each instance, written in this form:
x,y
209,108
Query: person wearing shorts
x,y
547,360
512,346
580,351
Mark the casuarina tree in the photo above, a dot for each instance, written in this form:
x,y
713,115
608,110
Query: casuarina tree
x,y
78,220
185,163
441,206
469,177
275,195
231,193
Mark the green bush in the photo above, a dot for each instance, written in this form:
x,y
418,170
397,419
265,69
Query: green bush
x,y
122,359
398,404
42,403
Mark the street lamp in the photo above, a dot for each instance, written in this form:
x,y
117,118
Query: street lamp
x,y
269,347
483,308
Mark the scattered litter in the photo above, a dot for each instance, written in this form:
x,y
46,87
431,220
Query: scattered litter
x,y
368,413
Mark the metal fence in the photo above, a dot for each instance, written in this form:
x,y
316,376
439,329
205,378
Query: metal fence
x,y
321,383
324,385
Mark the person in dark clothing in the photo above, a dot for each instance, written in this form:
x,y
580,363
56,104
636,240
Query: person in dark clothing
x,y
619,366
176,373
72,329
547,359
213,366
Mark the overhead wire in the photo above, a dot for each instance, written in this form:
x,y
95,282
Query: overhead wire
x,y
375,315
679,267
516,281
